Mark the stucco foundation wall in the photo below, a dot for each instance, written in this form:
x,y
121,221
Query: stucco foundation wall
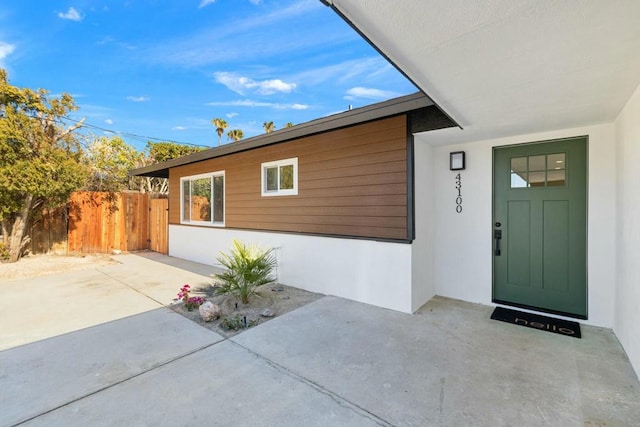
x,y
627,317
377,273
462,255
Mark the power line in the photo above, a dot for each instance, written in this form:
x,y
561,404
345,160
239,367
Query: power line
x,y
141,138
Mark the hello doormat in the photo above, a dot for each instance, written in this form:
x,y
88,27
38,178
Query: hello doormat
x,y
536,321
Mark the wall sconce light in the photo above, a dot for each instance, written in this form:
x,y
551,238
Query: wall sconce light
x,y
456,161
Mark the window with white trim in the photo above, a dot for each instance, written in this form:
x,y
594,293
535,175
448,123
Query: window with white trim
x,y
280,178
202,199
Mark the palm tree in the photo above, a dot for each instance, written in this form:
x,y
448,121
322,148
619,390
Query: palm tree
x,y
269,127
235,135
288,125
220,125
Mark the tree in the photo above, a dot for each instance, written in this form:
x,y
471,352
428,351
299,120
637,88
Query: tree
x,y
269,127
41,161
162,151
220,125
110,160
288,125
157,152
235,135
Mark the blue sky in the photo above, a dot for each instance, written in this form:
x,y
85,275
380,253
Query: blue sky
x,y
164,69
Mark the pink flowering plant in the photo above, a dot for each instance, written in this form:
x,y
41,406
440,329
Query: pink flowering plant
x,y
184,292
193,303
190,303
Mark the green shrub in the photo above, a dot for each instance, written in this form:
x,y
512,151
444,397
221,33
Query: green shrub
x,y
236,323
247,267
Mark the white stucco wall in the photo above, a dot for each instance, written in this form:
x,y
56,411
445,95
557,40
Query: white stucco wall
x,y
627,316
377,273
462,263
422,255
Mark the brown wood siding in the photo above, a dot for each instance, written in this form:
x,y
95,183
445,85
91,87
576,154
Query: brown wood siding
x,y
351,182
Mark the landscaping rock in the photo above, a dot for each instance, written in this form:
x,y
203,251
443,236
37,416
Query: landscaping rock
x,y
209,311
267,312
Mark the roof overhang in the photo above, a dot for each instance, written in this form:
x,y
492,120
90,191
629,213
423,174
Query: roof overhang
x,y
508,67
416,102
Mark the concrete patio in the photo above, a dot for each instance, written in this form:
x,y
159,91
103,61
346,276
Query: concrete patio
x,y
100,348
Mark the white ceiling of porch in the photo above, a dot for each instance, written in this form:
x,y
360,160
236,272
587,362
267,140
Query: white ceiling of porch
x,y
509,67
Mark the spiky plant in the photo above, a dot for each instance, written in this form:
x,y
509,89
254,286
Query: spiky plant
x,y
247,268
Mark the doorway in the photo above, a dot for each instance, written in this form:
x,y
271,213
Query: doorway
x,y
540,226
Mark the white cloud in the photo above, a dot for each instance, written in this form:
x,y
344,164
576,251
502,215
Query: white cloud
x,y
252,104
108,121
205,3
242,37
72,14
241,85
231,115
360,92
138,98
179,128
6,49
350,71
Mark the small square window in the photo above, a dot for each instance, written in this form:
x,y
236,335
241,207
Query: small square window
x,y
546,170
280,178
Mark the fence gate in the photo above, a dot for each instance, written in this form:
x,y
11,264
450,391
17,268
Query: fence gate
x,y
159,225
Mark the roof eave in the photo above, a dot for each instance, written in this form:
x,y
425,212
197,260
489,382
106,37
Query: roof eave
x,y
380,110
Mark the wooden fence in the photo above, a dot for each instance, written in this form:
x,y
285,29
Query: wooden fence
x,y
97,222
49,232
159,225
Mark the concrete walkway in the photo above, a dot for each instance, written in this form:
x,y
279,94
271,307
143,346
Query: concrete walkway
x,y
104,351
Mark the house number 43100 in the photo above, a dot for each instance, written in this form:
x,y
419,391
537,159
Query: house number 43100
x,y
459,197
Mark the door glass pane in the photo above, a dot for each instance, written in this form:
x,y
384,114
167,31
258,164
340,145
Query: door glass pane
x,y
271,178
201,199
536,179
538,171
556,178
218,199
519,180
519,164
537,163
286,177
556,161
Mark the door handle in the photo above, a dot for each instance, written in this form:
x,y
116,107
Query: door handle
x,y
497,234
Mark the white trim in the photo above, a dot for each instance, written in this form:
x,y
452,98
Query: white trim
x,y
211,175
284,162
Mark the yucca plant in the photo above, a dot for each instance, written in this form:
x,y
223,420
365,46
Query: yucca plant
x,y
247,268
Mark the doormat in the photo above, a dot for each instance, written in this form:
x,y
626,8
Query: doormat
x,y
536,321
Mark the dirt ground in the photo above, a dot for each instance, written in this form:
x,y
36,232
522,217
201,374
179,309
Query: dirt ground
x,y
275,298
39,265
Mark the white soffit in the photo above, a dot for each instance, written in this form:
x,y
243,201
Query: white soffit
x,y
509,67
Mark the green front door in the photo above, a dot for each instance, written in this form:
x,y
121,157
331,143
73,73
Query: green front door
x,y
540,226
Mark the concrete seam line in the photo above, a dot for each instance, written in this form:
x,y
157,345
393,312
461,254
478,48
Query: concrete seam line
x,y
131,287
77,399
333,396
